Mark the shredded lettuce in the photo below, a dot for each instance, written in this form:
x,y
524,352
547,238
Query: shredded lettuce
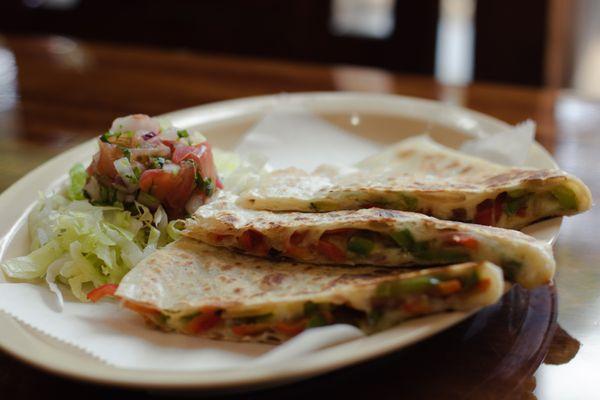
x,y
78,178
84,245
175,228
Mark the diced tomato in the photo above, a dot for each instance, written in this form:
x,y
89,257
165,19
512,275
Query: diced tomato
x,y
254,241
182,152
446,288
102,291
483,284
250,329
103,164
140,309
154,182
202,156
331,251
461,239
290,328
170,144
207,319
173,191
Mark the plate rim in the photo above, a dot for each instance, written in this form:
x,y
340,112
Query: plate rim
x,y
258,376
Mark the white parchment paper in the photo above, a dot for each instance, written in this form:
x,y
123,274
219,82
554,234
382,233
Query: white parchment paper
x,y
288,137
508,147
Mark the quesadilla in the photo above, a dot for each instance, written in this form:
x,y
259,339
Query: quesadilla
x,y
421,175
194,288
370,236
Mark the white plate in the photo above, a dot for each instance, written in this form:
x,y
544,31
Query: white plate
x,y
382,118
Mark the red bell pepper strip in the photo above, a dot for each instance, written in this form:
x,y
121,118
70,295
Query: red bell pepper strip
x,y
499,206
293,248
460,239
249,329
446,288
102,291
290,328
484,284
140,309
331,251
297,237
490,211
484,214
204,321
254,241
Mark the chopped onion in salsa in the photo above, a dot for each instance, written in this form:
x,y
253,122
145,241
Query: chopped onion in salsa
x,y
141,160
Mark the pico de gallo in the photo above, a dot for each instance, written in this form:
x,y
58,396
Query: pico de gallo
x,y
143,160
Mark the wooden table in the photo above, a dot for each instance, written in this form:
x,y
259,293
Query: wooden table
x,y
55,93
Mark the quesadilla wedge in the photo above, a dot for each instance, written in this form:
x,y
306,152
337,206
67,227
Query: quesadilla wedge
x,y
194,288
421,175
370,236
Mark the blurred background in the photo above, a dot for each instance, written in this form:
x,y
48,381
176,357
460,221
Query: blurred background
x,y
69,67
553,43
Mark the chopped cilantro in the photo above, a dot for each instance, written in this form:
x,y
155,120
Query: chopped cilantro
x,y
209,187
158,162
183,133
206,185
105,137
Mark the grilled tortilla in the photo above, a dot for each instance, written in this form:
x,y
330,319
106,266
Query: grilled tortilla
x,y
421,175
371,236
194,288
